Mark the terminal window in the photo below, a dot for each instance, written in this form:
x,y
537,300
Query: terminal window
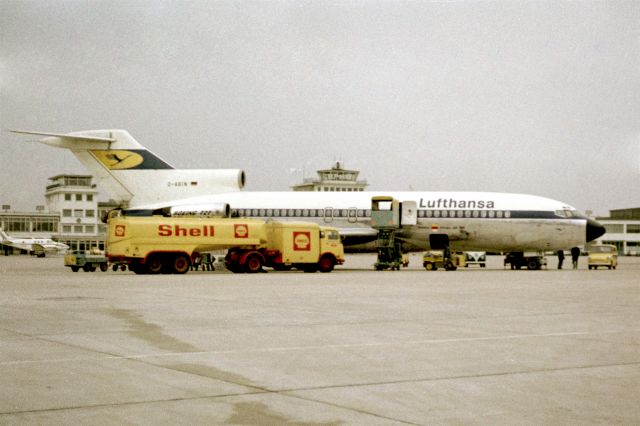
x,y
633,229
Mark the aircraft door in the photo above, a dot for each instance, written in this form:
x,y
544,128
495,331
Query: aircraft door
x,y
409,216
328,214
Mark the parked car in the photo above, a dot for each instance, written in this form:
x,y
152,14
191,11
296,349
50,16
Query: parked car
x,y
476,258
603,255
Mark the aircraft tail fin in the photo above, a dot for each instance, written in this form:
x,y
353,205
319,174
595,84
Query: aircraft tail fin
x,y
132,174
3,236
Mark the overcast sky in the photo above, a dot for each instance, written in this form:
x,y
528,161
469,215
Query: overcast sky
x,y
528,97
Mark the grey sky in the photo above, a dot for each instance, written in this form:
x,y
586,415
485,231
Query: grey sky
x,y
533,97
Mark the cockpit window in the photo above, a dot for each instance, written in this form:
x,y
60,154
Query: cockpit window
x,y
565,213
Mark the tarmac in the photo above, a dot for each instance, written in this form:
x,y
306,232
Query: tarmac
x,y
355,346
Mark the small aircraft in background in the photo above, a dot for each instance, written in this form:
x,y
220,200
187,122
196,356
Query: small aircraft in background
x,y
36,246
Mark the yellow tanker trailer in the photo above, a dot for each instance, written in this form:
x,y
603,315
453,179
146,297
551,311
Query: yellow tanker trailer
x,y
158,244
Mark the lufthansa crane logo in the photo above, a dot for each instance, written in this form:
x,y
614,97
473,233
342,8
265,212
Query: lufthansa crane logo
x,y
301,241
118,159
241,231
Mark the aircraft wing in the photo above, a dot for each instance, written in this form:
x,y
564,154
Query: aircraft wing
x,y
354,236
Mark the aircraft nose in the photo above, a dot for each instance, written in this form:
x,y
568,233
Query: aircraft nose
x,y
594,230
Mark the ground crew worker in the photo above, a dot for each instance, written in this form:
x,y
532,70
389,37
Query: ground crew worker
x,y
575,255
560,258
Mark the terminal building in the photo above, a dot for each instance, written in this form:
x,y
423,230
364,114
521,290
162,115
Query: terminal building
x,y
337,178
72,214
623,230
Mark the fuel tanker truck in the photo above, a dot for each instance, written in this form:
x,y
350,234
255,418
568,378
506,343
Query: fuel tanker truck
x,y
170,244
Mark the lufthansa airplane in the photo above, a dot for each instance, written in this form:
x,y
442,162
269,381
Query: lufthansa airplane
x,y
144,184
37,246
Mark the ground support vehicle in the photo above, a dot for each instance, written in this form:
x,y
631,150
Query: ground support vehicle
x,y
88,262
386,218
389,251
519,260
159,244
475,258
304,246
605,255
432,260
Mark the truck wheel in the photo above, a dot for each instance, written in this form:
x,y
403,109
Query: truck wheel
x,y
76,268
326,263
429,266
180,264
104,267
86,267
533,265
253,263
154,264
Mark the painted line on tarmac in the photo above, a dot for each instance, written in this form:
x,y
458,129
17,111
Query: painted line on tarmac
x,y
312,347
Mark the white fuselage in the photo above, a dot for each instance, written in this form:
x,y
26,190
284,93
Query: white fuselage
x,y
472,220
138,179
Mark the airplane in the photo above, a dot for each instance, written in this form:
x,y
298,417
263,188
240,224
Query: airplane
x,y
144,184
37,246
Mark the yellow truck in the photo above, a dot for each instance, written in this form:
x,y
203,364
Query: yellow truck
x,y
158,244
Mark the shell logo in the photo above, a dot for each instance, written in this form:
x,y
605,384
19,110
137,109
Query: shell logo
x,y
120,231
301,241
241,231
